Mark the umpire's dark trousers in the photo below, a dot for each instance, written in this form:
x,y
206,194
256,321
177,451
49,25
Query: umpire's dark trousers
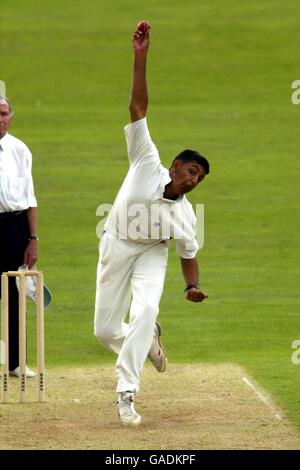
x,y
14,233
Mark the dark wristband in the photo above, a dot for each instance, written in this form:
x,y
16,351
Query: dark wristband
x,y
33,237
190,286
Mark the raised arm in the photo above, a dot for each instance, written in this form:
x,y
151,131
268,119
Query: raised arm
x,y
139,95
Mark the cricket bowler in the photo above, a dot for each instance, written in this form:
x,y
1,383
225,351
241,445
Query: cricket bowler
x,y
150,209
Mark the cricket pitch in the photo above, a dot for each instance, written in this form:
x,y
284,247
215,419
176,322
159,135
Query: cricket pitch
x,y
192,406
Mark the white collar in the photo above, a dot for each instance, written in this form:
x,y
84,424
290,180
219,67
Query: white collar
x,y
166,179
3,141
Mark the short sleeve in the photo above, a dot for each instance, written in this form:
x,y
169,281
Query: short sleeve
x,y
141,150
31,199
187,246
187,250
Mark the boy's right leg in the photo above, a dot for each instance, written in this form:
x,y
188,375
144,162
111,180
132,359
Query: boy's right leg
x,y
113,296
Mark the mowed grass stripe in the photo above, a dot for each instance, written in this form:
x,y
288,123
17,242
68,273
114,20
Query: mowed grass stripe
x,y
219,81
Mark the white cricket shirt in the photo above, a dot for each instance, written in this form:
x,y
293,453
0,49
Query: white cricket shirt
x,y
16,185
140,212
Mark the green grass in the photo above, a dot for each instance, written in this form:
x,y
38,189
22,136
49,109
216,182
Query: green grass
x,y
220,75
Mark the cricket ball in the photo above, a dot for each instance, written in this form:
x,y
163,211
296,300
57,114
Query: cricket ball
x,y
143,26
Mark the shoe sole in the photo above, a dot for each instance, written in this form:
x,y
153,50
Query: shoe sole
x,y
137,423
12,374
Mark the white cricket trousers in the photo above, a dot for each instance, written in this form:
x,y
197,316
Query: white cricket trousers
x,y
129,275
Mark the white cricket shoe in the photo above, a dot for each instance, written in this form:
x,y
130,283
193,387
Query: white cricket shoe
x,y
157,354
29,373
126,411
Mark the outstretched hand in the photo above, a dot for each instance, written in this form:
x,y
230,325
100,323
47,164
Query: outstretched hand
x,y
196,295
141,39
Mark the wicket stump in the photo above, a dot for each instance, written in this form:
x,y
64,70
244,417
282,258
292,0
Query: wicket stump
x,y
22,333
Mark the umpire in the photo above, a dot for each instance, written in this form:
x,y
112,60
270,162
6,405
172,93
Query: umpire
x,y
18,221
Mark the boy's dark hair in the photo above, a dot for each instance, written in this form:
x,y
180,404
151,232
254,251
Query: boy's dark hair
x,y
193,156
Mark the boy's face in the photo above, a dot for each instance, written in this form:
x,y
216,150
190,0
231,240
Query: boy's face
x,y
186,176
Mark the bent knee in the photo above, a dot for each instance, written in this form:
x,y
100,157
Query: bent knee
x,y
103,334
149,314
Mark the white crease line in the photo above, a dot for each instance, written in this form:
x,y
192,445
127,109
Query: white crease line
x,y
263,398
